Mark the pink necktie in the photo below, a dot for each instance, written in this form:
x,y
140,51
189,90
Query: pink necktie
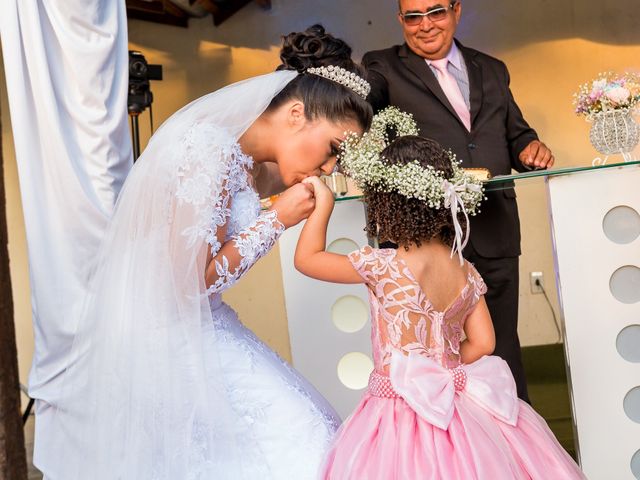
x,y
452,91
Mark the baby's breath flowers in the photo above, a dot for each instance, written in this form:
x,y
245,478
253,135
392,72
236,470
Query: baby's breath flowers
x,y
360,159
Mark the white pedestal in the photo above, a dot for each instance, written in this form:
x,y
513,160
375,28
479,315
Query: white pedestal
x,y
318,346
598,302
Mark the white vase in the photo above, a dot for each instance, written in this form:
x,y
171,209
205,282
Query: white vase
x,y
614,131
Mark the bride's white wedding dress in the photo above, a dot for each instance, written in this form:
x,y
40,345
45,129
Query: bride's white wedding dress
x,y
287,419
163,381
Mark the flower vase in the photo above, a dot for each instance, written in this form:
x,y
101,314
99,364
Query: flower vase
x,y
614,131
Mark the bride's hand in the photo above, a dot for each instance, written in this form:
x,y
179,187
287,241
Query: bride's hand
x,y
294,204
322,193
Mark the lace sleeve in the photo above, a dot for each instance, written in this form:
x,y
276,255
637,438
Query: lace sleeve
x,y
362,261
373,264
239,254
480,288
215,171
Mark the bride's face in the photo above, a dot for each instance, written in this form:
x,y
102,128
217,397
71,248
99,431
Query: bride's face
x,y
309,147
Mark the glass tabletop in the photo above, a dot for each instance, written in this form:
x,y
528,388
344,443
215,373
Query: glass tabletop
x,y
502,182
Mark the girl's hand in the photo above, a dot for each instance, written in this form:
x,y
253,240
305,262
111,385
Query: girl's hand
x,y
310,257
294,204
322,193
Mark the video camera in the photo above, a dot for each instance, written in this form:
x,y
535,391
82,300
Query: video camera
x,y
140,72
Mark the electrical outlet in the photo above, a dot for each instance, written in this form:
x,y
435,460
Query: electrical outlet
x,y
536,280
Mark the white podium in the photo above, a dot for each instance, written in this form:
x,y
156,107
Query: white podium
x,y
329,325
595,217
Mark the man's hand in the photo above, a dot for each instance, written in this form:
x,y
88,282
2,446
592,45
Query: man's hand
x,y
537,155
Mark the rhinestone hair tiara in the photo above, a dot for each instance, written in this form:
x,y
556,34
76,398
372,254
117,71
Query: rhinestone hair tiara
x,y
343,77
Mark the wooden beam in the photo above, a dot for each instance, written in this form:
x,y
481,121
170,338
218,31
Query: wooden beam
x,y
164,11
158,11
221,10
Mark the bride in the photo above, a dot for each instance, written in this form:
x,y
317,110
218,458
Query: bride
x,y
163,380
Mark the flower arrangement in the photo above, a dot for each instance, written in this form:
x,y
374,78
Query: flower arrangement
x,y
360,159
608,92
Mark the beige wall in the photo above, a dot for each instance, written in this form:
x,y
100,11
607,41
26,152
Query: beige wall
x,y
17,242
549,48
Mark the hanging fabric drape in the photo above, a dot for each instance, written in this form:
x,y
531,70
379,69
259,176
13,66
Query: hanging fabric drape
x,y
66,64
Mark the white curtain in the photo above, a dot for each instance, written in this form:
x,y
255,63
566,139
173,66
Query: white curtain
x,y
66,66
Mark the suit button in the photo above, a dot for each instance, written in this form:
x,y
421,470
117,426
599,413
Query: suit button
x,y
471,146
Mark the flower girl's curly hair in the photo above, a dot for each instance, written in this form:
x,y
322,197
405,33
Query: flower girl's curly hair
x,y
406,221
321,97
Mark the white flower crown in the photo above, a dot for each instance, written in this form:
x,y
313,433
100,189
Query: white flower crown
x,y
361,159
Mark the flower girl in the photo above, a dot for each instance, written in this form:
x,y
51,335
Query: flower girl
x,y
438,406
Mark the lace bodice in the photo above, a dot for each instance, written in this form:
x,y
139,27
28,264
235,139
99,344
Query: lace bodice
x,y
402,316
215,183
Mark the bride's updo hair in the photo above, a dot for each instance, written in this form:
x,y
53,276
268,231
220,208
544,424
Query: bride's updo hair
x,y
321,97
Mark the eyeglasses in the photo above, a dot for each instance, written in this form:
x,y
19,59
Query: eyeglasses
x,y
438,14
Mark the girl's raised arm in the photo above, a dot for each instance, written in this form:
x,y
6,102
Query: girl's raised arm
x,y
310,257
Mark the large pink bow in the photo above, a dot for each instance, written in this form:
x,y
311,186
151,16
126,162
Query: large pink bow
x,y
429,388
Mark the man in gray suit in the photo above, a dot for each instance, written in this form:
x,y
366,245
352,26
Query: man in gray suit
x,y
461,98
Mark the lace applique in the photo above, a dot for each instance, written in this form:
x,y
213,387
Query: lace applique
x,y
252,244
213,169
198,453
421,345
253,351
405,318
245,209
479,287
372,264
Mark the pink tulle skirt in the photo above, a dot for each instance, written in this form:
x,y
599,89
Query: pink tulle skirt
x,y
385,439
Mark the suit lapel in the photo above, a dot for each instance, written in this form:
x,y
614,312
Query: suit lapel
x,y
475,80
419,67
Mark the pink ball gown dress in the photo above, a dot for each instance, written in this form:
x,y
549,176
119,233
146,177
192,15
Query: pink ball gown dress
x,y
425,414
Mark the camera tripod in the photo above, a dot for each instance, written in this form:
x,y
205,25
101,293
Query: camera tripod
x,y
135,131
140,96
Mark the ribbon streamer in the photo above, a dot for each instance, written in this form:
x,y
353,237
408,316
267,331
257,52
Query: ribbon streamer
x,y
453,200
